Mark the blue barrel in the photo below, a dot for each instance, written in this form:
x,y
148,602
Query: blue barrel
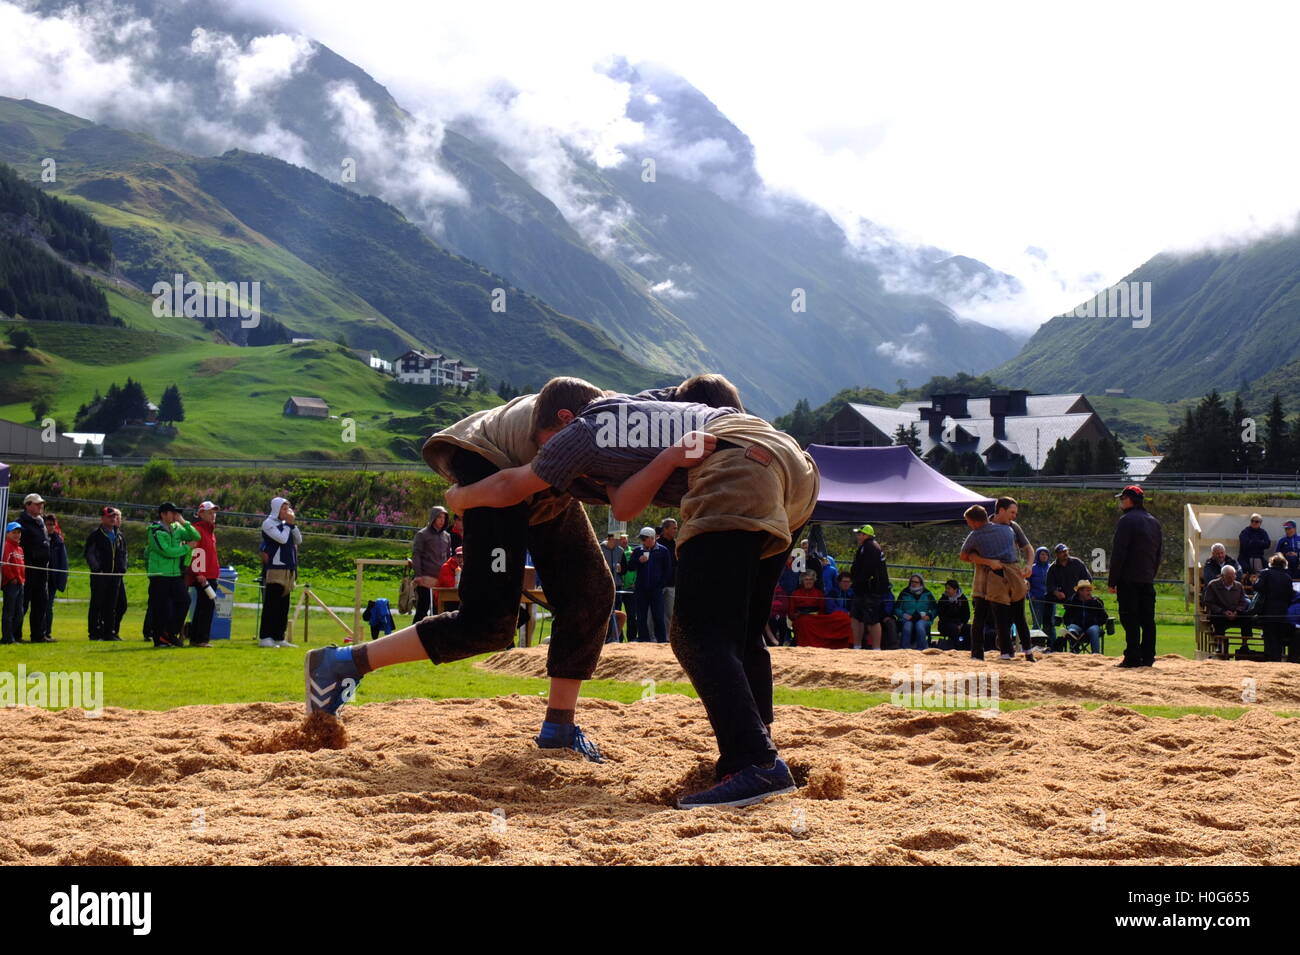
x,y
221,614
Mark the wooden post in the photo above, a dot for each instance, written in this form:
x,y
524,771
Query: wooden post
x,y
356,603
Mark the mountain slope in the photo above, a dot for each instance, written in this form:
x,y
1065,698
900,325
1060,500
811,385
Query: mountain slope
x,y
1219,319
329,261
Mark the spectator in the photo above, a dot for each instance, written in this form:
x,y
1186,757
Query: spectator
x,y
1004,512
888,622
954,616
668,538
830,575
280,541
1252,545
1288,546
1085,616
57,576
1134,562
1040,607
915,608
1215,563
449,572
812,560
457,532
652,564
1225,602
204,567
1275,593
870,585
989,546
613,555
36,552
106,556
429,551
167,545
789,579
1062,579
808,598
625,597
777,628
841,596
13,575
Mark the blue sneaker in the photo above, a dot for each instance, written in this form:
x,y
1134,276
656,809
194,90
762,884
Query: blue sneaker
x,y
567,736
744,788
331,679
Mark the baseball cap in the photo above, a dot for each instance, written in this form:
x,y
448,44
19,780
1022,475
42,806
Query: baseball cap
x,y
33,499
866,529
647,532
459,552
13,526
1060,547
208,506
166,506
1288,523
106,510
1132,491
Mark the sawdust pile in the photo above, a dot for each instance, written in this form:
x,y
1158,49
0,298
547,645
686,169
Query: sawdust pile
x,y
1173,681
459,781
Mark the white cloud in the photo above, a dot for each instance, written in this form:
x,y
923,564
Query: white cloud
x,y
669,289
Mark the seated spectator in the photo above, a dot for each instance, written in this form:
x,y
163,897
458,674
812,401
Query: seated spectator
x,y
1252,545
1274,594
888,622
1215,563
449,576
1085,616
1225,602
953,614
841,598
915,608
808,598
1288,545
1062,576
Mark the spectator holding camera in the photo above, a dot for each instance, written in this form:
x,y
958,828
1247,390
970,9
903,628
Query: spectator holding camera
x,y
280,541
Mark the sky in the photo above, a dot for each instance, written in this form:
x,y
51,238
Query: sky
x,y
1097,135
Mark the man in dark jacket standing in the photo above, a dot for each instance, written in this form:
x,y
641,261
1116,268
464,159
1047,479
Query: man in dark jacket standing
x,y
36,549
653,566
1134,561
870,584
105,553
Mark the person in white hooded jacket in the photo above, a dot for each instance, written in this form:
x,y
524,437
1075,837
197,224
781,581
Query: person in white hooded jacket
x,y
280,540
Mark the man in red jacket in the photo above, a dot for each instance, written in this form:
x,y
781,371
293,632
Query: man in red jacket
x,y
202,569
13,575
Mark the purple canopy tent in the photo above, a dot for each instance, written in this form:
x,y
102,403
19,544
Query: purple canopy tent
x,y
888,485
4,493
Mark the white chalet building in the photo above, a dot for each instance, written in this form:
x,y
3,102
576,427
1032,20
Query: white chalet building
x,y
421,368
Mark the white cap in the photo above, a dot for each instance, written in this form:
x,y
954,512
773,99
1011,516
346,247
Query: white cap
x,y
208,506
647,532
33,499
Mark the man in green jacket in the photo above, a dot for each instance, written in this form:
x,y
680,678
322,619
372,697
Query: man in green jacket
x,y
167,544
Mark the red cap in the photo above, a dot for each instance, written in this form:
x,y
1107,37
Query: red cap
x,y
1131,491
106,511
459,552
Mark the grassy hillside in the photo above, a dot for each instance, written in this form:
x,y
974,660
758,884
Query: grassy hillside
x,y
234,397
1220,319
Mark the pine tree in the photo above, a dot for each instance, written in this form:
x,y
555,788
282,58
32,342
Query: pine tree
x,y
1109,456
1080,456
1058,458
171,408
908,435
